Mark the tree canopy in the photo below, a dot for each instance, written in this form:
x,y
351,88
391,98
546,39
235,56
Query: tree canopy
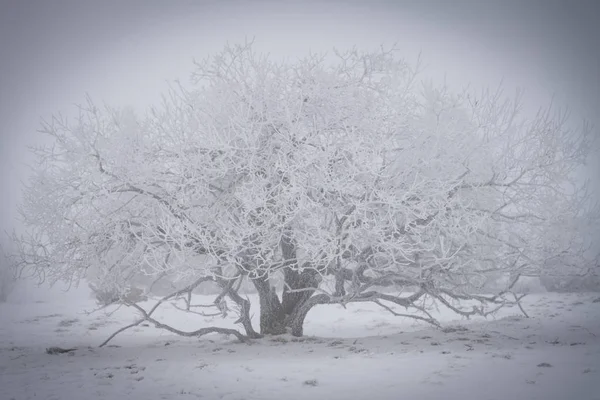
x,y
342,173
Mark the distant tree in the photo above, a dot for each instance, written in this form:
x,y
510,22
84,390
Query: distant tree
x,y
342,174
7,276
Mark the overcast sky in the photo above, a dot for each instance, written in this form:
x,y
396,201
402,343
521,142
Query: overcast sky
x,y
52,52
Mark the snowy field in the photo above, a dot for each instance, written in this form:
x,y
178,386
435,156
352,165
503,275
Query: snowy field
x,y
356,353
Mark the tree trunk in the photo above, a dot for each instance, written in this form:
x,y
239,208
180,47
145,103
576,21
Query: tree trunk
x,y
276,316
304,283
291,277
298,286
272,317
296,320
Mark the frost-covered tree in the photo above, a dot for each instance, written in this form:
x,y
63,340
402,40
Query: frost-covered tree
x,y
342,175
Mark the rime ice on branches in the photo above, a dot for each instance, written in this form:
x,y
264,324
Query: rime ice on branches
x,y
339,175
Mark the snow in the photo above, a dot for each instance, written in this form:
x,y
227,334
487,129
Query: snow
x,y
360,352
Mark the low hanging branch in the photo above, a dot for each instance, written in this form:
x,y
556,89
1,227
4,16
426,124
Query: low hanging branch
x,y
199,332
429,320
147,316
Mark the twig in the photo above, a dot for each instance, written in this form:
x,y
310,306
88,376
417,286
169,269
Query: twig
x,y
109,314
417,317
588,331
197,312
121,330
518,301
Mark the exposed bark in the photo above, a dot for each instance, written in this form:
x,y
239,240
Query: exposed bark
x,y
272,317
299,289
291,276
297,319
290,298
276,315
339,283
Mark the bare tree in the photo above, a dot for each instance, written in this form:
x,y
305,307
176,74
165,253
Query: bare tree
x,y
340,172
7,275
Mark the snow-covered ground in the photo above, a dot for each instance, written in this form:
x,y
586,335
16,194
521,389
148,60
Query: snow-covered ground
x,y
360,352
